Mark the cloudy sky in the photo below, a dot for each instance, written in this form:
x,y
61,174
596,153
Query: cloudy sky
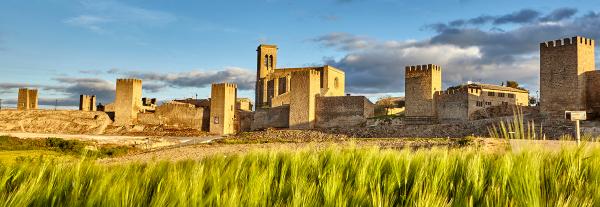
x,y
66,48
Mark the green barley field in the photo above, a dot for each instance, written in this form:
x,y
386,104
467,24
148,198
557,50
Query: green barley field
x,y
332,177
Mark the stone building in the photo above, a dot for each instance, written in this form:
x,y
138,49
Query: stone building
x,y
222,108
28,99
568,76
244,104
287,97
426,102
468,101
273,85
87,102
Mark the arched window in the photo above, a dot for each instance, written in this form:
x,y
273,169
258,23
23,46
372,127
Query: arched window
x,y
271,61
336,83
267,61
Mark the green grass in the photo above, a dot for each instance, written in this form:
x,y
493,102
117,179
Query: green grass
x,y
333,177
10,157
13,149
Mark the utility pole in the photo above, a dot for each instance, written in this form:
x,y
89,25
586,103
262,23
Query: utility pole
x,y
55,104
0,104
537,94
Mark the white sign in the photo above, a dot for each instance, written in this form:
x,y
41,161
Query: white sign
x,y
575,115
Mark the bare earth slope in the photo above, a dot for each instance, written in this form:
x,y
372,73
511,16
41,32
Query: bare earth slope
x,y
50,121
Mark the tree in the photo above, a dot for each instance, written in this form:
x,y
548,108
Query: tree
x,y
386,102
512,84
455,87
532,101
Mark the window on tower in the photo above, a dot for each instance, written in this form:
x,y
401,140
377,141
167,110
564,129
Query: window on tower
x,y
267,61
271,61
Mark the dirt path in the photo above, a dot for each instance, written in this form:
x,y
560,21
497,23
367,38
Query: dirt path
x,y
144,142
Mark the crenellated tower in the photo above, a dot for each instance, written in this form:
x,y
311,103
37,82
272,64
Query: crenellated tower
x,y
563,65
420,85
222,108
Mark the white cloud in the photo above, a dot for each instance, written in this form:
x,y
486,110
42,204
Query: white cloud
x,y
97,15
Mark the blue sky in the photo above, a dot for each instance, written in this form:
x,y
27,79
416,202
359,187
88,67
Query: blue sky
x,y
179,47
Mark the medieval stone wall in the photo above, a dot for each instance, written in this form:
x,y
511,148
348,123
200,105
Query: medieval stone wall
x,y
421,83
343,111
243,121
283,99
562,65
593,91
274,117
452,105
175,114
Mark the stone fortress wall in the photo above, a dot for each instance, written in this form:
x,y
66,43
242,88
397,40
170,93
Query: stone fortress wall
x,y
452,105
176,114
343,111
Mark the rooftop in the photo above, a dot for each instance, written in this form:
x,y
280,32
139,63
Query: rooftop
x,y
496,87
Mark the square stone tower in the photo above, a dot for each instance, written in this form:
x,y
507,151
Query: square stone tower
x,y
28,99
223,97
128,101
87,103
266,63
420,84
563,64
306,85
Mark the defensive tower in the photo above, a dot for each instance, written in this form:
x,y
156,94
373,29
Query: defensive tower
x,y
128,101
420,85
28,99
222,108
563,64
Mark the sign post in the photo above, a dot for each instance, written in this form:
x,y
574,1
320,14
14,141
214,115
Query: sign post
x,y
576,116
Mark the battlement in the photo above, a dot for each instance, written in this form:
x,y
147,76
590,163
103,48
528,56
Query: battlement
x,y
227,85
451,91
423,68
28,89
129,80
266,46
307,72
577,40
